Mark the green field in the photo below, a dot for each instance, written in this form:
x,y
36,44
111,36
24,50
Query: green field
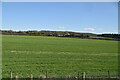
x,y
25,55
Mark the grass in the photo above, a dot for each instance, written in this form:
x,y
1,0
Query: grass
x,y
25,55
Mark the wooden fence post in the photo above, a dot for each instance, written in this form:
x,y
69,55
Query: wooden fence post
x,y
16,77
46,74
31,77
108,74
10,75
83,76
69,78
78,76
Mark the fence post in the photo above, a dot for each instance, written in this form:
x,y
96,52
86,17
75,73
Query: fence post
x,y
16,77
61,78
46,74
78,76
108,74
31,77
83,76
10,75
69,78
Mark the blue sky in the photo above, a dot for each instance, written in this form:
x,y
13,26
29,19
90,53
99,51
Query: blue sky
x,y
93,17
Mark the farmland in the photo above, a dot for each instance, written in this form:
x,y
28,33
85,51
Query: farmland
x,y
26,55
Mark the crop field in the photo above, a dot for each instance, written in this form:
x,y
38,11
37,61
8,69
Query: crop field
x,y
26,55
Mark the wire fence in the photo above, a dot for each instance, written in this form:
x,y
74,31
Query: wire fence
x,y
79,76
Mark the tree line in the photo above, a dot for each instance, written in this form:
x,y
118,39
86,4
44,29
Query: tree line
x,y
110,35
47,33
62,34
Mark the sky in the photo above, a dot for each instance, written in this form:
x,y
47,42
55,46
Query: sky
x,y
90,17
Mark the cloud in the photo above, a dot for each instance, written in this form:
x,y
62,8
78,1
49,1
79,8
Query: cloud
x,y
89,29
61,27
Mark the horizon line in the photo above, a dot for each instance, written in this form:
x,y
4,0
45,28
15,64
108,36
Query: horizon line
x,y
63,31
